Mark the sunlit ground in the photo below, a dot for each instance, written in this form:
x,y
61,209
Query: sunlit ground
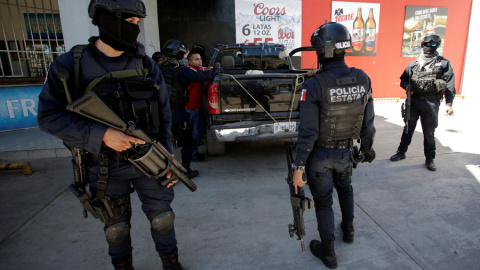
x,y
459,132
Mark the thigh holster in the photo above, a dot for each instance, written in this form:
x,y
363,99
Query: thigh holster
x,y
340,180
342,176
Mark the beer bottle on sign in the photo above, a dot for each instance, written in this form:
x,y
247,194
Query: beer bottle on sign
x,y
358,32
429,29
370,32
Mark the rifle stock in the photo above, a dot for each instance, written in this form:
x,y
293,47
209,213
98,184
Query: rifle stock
x,y
299,201
155,162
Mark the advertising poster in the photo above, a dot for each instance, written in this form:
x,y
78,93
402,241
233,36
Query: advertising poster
x,y
361,19
278,21
43,26
420,22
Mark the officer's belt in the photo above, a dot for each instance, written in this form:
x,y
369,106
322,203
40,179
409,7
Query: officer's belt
x,y
339,144
425,97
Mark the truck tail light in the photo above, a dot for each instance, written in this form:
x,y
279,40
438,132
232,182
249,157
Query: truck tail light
x,y
213,106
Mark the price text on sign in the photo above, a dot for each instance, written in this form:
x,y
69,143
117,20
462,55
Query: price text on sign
x,y
258,30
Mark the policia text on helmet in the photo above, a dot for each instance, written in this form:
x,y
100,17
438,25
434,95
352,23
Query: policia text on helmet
x,y
331,40
110,17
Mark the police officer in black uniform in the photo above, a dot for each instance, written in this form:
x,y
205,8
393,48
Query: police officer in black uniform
x,y
430,77
139,96
178,77
336,108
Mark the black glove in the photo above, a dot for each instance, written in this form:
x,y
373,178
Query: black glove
x,y
369,155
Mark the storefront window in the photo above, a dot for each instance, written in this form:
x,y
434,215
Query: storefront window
x,y
30,40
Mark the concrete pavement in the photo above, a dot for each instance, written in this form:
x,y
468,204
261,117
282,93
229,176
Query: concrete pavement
x,y
406,216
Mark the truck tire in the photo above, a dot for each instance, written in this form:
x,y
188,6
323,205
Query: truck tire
x,y
214,147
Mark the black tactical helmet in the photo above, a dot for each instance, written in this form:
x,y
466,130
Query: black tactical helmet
x,y
174,48
432,39
156,56
330,39
133,7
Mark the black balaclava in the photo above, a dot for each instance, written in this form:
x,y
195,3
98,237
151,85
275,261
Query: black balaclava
x,y
115,31
336,57
429,50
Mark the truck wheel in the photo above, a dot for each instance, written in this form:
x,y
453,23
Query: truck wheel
x,y
214,147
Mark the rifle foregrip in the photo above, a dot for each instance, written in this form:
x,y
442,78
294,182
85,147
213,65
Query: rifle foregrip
x,y
180,176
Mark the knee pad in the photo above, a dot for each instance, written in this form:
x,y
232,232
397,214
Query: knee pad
x,y
117,233
163,222
323,203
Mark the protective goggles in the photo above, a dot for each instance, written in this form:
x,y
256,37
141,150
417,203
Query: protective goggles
x,y
430,44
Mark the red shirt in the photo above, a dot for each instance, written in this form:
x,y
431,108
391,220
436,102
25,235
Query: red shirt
x,y
195,89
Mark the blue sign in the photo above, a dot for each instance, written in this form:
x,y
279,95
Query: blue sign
x,y
19,107
43,26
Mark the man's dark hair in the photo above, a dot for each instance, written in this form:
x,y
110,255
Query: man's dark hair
x,y
190,55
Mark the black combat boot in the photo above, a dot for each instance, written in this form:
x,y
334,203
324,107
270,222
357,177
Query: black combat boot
x,y
325,251
190,173
348,231
170,261
430,165
123,264
398,156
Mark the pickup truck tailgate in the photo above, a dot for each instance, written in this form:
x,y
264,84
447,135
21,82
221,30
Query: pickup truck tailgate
x,y
249,93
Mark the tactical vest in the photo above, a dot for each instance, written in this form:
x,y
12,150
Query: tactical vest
x,y
130,93
342,107
423,81
177,92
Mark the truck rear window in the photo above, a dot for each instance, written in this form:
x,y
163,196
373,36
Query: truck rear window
x,y
254,57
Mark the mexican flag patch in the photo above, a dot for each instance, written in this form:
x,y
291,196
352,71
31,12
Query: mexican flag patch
x,y
304,93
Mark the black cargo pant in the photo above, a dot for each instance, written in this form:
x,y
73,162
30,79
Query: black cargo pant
x,y
182,130
323,167
427,111
153,197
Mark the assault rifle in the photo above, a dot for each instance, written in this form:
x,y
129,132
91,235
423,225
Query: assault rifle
x,y
80,175
408,101
299,202
407,107
80,171
152,158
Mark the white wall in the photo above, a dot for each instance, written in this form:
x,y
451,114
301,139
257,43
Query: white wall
x,y
469,86
77,26
149,35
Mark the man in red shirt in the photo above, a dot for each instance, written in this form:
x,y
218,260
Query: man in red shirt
x,y
194,106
